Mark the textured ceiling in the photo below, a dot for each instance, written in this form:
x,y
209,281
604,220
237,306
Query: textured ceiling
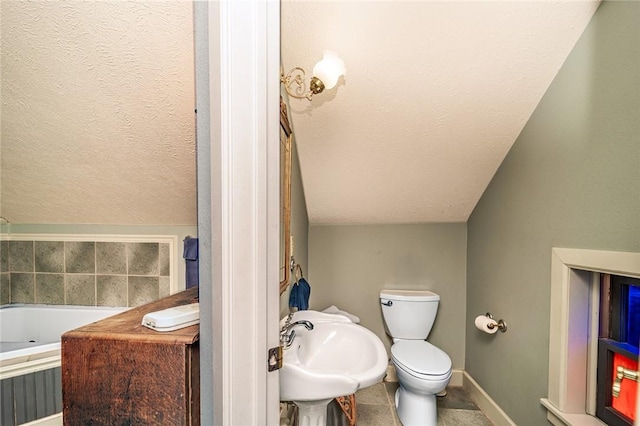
x,y
97,113
435,94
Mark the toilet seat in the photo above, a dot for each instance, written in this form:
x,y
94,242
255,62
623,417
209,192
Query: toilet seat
x,y
421,359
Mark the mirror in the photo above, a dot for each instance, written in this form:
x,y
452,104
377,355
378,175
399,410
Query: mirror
x,y
98,123
98,138
285,196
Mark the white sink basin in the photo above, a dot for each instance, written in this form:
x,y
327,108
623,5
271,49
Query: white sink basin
x,y
336,358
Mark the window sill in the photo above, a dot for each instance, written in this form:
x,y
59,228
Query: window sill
x,y
559,418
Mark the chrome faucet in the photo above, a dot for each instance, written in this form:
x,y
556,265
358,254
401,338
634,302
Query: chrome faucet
x,y
287,333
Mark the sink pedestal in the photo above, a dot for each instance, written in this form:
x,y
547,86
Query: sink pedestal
x,y
312,413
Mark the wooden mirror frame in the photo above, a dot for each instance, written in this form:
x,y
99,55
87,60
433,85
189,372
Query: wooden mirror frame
x,y
286,136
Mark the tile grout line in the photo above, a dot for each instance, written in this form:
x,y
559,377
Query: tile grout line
x,y
95,273
33,259
392,404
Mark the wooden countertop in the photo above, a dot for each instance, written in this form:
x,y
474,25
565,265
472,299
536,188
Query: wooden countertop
x,y
128,325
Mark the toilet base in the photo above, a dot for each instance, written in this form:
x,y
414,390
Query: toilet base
x,y
416,409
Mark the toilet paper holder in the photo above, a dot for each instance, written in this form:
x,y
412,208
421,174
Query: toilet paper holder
x,y
502,325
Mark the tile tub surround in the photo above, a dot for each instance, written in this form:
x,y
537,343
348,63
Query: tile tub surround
x,y
5,293
102,273
376,407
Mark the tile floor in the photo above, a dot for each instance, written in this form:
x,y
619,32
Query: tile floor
x,y
376,407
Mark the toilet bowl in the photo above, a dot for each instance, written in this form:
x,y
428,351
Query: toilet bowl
x,y
423,370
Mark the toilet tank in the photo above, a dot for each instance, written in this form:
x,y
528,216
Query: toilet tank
x,y
409,314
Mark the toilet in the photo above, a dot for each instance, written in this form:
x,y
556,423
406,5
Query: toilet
x,y
423,369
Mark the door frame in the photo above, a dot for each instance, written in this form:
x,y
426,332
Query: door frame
x,y
237,103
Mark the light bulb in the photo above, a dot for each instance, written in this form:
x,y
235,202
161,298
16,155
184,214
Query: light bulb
x,y
329,69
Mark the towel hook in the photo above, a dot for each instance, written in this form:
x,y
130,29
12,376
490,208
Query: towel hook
x,y
292,263
298,268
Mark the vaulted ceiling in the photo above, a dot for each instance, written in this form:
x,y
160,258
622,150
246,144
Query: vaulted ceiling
x,y
434,96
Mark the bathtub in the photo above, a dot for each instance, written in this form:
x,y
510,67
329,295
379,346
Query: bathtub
x,y
30,382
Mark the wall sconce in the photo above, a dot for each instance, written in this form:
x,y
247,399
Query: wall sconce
x,y
325,76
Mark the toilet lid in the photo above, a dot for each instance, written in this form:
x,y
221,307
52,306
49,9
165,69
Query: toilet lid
x,y
421,357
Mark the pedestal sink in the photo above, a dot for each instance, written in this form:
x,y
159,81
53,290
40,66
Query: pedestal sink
x,y
334,359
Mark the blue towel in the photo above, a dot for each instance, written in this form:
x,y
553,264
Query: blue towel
x,y
299,295
190,256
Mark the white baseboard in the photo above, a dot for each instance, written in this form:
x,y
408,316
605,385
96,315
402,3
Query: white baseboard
x,y
54,420
456,378
484,402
